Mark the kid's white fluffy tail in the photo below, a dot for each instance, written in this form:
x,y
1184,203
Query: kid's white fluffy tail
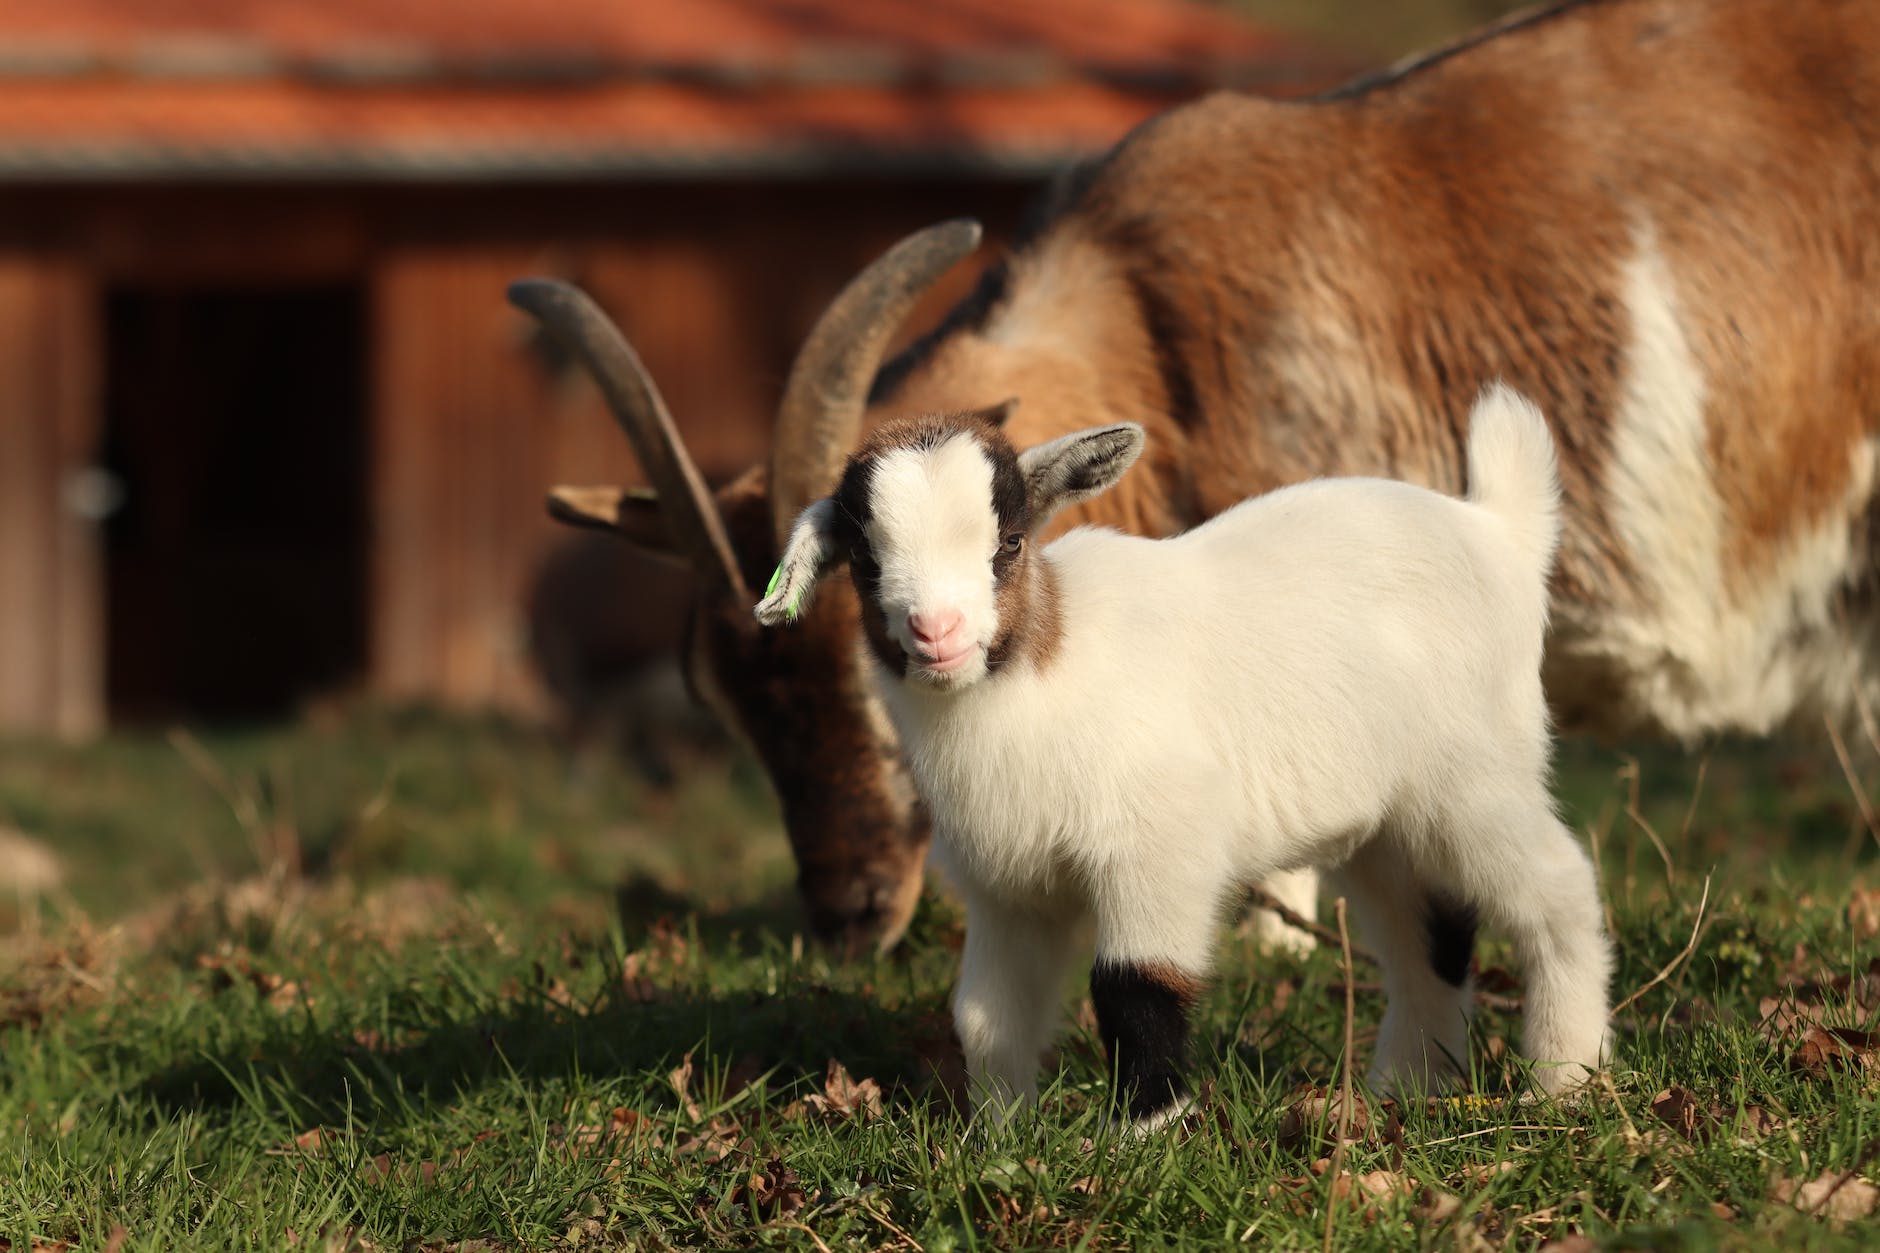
x,y
1512,473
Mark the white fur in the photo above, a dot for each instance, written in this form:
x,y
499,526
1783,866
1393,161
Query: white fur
x,y
1340,673
1704,647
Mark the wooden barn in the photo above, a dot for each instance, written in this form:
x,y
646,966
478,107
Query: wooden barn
x,y
267,427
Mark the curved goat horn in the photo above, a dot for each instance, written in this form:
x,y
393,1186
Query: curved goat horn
x,y
820,418
690,513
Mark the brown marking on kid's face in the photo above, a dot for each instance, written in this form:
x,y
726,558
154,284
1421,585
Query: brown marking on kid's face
x,y
1030,626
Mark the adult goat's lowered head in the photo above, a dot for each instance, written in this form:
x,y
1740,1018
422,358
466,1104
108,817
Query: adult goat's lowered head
x,y
1652,216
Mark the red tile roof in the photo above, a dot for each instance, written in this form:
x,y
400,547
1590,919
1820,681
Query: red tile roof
x,y
448,88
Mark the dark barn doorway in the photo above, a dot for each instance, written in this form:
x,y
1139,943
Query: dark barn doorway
x,y
236,564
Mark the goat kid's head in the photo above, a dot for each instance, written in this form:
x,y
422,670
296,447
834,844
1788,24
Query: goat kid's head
x,y
936,517
797,698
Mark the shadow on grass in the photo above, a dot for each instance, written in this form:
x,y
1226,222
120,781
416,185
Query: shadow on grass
x,y
642,904
326,1076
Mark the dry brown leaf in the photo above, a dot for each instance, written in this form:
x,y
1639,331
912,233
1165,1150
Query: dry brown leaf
x,y
382,1169
844,1098
681,1080
1824,1050
1299,1193
1819,1047
1363,1192
1575,1243
1315,1116
1292,1191
775,1191
1779,1017
1753,1122
1436,1206
1810,991
1679,1109
1385,1183
1834,1195
717,1141
1489,1172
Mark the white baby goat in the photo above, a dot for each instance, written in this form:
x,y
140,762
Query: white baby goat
x,y
1343,673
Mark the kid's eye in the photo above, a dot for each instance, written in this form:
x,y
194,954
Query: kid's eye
x,y
1012,544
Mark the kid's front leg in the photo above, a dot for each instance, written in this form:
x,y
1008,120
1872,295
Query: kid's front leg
x,y
1154,950
1010,992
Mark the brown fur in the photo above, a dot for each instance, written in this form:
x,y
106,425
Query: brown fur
x,y
1185,987
1030,627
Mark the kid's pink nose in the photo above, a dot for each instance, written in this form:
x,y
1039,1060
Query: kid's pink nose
x,y
932,629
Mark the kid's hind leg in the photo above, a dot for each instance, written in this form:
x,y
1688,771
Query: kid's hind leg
x,y
1423,939
1297,890
1531,878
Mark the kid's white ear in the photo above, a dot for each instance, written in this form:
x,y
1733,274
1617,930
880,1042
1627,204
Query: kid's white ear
x,y
809,555
1077,466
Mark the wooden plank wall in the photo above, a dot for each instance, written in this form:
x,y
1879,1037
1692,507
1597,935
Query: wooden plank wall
x,y
51,595
452,456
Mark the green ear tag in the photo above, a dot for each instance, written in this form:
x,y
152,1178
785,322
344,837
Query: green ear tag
x,y
776,577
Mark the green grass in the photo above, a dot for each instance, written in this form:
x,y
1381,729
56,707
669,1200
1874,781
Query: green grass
x,y
400,982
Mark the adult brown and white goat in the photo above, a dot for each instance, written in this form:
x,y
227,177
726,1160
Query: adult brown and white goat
x,y
1113,733
1655,217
